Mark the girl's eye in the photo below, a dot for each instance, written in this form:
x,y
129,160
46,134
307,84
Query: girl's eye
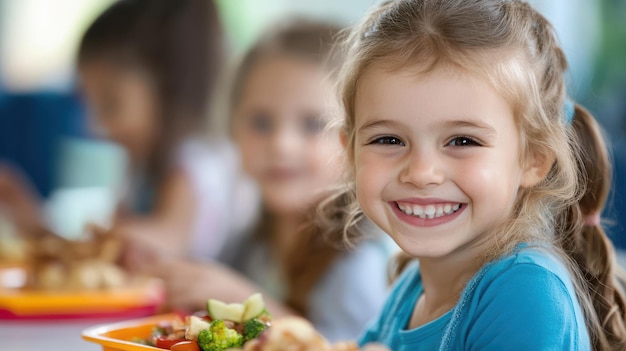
x,y
463,141
387,140
313,125
261,122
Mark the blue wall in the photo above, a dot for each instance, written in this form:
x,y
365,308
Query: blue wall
x,y
31,126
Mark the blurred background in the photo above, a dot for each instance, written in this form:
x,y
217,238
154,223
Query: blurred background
x,y
49,151
43,123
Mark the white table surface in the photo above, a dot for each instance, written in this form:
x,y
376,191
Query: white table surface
x,y
46,335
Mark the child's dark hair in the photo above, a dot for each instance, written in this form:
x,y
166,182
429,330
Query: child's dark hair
x,y
514,48
309,41
178,43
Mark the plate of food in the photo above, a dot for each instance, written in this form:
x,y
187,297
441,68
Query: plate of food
x,y
247,326
74,279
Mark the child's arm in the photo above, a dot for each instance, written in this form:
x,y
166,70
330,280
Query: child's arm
x,y
189,285
167,230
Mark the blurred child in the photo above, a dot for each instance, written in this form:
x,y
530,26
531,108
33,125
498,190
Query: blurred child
x,y
466,152
279,114
147,69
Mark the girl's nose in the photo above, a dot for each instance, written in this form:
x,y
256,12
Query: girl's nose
x,y
422,169
285,141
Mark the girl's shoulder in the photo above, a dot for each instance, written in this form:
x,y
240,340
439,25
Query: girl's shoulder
x,y
529,258
533,265
530,295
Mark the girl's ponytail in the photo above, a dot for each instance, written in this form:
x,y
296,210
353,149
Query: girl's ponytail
x,y
587,244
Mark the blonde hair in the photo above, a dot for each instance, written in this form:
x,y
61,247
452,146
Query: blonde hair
x,y
514,48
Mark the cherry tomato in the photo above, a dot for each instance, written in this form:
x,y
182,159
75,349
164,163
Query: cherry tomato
x,y
163,342
186,346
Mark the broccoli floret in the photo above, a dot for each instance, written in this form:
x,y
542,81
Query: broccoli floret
x,y
205,340
219,337
252,329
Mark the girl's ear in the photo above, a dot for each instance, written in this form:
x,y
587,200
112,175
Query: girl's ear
x,y
537,167
343,138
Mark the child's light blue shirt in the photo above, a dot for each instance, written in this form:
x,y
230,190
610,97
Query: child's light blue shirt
x,y
523,301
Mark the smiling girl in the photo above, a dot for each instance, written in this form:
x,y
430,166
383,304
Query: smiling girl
x,y
465,151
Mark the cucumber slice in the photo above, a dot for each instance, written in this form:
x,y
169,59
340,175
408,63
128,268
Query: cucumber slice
x,y
228,312
254,306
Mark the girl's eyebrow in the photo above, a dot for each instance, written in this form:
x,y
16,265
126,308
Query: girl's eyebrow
x,y
377,123
470,123
467,123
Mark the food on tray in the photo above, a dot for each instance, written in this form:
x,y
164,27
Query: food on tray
x,y
221,327
247,327
294,333
56,263
12,251
12,248
239,313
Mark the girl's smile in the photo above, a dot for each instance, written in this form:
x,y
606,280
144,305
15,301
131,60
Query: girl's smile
x,y
427,212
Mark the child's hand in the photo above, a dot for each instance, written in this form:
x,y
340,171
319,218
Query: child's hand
x,y
188,284
145,243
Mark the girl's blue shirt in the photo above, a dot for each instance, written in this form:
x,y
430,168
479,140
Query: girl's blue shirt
x,y
523,301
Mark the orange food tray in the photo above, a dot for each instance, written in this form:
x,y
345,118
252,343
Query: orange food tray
x,y
139,299
118,336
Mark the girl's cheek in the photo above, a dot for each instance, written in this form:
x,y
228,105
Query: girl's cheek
x,y
367,193
252,156
246,139
249,152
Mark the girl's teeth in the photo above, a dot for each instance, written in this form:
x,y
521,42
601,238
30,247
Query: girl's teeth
x,y
430,211
418,211
439,212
